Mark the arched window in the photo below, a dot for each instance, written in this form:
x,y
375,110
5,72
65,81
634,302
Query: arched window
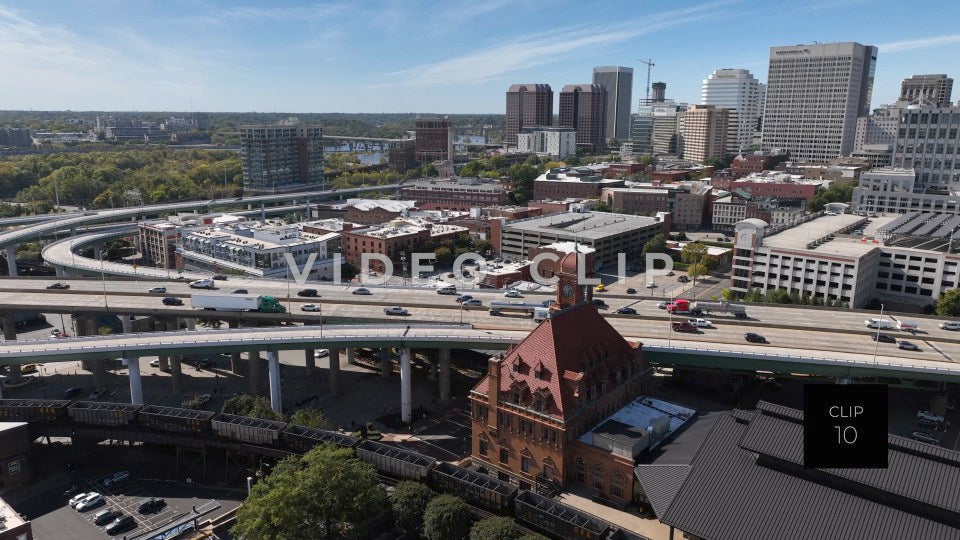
x,y
616,484
581,470
598,476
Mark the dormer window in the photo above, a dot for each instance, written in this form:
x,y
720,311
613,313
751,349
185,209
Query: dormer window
x,y
542,373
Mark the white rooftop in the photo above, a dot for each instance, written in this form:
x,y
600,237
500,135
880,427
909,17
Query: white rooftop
x,y
570,247
385,204
641,412
799,236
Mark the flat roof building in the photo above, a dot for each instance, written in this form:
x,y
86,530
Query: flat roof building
x,y
567,182
556,142
584,107
528,105
434,139
458,193
935,89
689,203
894,190
705,132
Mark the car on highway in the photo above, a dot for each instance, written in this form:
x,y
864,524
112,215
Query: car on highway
x,y
71,392
472,302
310,307
513,294
547,303
631,290
700,323
239,291
157,290
321,353
662,304
91,502
220,277
151,505
116,478
950,325
55,332
463,298
754,337
883,338
626,310
205,283
105,516
395,310
925,437
361,290
928,415
651,285
312,293
684,326
172,301
907,345
121,524
97,393
58,286
75,500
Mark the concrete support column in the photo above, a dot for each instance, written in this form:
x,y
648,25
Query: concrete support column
x,y
99,373
127,322
444,376
350,355
334,371
386,367
406,390
98,252
191,324
236,365
60,271
434,368
273,369
253,371
176,377
11,254
10,334
133,373
86,326
310,361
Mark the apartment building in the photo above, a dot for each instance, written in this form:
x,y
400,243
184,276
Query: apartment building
x,y
928,141
282,158
528,105
705,133
892,190
772,184
556,142
732,209
434,139
583,107
736,90
394,238
689,203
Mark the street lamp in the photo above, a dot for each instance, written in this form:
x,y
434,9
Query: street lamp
x,y
103,279
461,312
249,484
877,337
670,332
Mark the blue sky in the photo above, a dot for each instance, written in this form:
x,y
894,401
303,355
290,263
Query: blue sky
x,y
442,57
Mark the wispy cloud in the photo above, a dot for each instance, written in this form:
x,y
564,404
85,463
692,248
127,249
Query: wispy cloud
x,y
533,50
464,11
295,13
916,44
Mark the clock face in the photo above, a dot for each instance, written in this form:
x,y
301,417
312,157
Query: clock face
x,y
568,290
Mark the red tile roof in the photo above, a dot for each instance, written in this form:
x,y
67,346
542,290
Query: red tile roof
x,y
577,347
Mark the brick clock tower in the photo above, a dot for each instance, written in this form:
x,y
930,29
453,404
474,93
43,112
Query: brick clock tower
x,y
569,291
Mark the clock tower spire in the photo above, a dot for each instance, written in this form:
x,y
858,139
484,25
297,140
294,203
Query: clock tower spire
x,y
569,291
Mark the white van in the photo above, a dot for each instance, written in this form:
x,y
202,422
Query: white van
x,y
907,325
446,288
884,324
205,283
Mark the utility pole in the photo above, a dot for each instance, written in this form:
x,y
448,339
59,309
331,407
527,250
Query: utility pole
x,y
650,64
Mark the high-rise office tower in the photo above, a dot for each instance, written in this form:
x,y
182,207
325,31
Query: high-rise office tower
x,y
933,88
737,91
528,105
814,95
283,157
433,138
583,107
705,132
618,82
659,94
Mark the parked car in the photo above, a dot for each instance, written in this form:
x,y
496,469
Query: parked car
x,y
203,399
58,286
72,391
473,302
700,323
90,502
157,290
97,393
599,303
361,290
312,293
56,332
75,500
71,491
463,298
395,310
907,345
883,338
683,279
631,290
172,301
105,516
121,524
754,338
600,288
310,307
321,353
512,294
924,414
155,362
151,505
627,311
239,291
930,423
116,478
651,285
925,437
950,325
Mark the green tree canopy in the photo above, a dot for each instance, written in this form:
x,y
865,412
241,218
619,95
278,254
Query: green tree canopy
x,y
948,305
323,494
495,528
409,503
840,191
447,517
254,406
693,252
657,244
310,417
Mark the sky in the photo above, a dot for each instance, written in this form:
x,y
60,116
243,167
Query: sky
x,y
419,56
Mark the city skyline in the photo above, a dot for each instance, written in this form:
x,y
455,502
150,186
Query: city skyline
x,y
313,57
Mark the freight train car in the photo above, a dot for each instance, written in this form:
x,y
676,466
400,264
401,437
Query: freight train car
x,y
175,420
103,414
301,439
476,488
556,519
33,410
247,430
394,461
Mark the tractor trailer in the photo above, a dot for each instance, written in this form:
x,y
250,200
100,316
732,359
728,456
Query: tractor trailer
x,y
237,302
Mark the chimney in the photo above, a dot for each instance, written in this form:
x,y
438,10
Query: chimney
x,y
493,391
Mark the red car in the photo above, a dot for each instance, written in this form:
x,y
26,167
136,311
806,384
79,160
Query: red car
x,y
684,327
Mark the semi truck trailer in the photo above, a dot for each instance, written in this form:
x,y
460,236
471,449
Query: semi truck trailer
x,y
237,302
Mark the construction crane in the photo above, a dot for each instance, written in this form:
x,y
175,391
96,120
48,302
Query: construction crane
x,y
650,64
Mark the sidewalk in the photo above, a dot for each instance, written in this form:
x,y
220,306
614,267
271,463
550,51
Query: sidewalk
x,y
651,528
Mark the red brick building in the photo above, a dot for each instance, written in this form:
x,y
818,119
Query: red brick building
x,y
744,165
769,187
458,195
393,239
572,371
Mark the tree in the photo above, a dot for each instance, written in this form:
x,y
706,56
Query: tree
x,y
696,270
444,255
840,191
410,500
657,244
522,176
254,406
726,294
446,518
695,254
948,305
324,493
310,417
495,528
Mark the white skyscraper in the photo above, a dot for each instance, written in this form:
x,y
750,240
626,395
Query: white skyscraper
x,y
737,91
814,95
